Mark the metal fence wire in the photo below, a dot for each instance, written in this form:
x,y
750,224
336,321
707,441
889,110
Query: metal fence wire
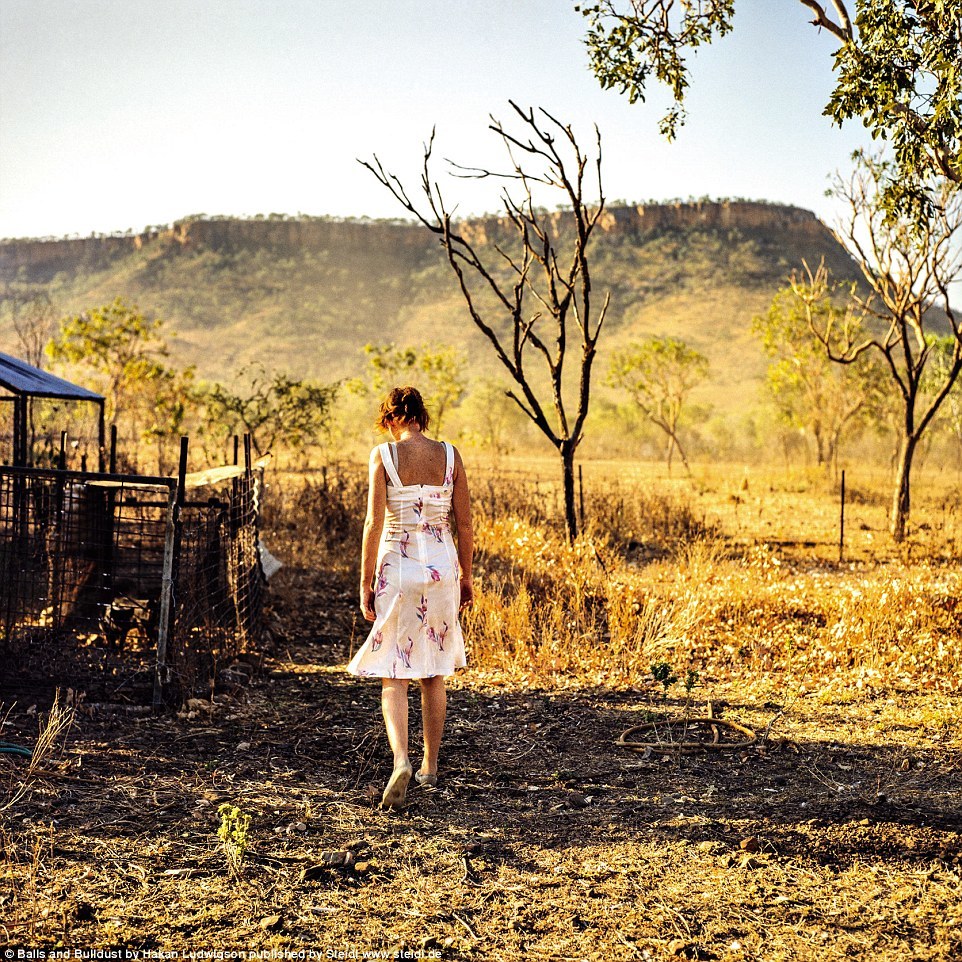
x,y
129,588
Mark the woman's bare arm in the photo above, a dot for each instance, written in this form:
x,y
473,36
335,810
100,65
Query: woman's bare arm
x,y
373,525
461,505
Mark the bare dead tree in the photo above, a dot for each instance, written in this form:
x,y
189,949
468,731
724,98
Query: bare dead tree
x,y
34,318
530,297
909,268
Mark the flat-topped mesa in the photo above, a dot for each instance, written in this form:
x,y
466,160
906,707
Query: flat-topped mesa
x,y
724,214
642,219
40,260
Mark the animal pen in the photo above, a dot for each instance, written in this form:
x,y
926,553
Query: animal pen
x,y
127,587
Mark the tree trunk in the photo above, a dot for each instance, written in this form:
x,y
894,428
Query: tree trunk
x,y
683,456
903,484
568,476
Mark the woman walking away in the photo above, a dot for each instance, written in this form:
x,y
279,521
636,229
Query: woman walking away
x,y
414,582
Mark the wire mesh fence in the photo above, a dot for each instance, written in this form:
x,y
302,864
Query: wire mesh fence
x,y
126,587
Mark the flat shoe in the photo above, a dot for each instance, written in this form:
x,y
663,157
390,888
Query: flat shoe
x,y
397,787
425,780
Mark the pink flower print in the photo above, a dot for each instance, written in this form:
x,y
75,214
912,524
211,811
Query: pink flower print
x,y
377,641
422,609
418,507
381,579
437,637
449,476
405,541
405,653
435,574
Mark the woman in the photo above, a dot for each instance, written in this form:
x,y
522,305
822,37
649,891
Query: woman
x,y
414,582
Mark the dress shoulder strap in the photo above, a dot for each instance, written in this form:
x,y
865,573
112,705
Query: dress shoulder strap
x,y
448,462
387,459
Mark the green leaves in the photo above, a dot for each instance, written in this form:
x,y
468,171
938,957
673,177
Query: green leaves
x,y
898,70
118,346
626,45
438,373
273,408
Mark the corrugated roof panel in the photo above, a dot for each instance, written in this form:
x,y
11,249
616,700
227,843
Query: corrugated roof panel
x,y
23,378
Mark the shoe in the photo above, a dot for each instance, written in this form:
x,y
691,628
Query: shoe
x,y
397,786
425,780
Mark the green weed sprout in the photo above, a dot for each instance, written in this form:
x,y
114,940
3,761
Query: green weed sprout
x,y
233,835
661,671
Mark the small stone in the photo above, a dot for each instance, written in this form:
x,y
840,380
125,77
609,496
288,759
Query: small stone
x,y
707,846
750,844
865,821
337,859
749,861
577,800
270,922
361,867
300,827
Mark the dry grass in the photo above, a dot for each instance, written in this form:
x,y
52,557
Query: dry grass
x,y
544,839
658,576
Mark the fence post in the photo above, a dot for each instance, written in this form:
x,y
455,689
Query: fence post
x,y
165,615
841,524
172,538
112,464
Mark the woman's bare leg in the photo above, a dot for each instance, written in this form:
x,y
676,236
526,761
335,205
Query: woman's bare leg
x,y
433,712
394,707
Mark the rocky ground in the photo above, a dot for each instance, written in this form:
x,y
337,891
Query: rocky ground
x,y
834,836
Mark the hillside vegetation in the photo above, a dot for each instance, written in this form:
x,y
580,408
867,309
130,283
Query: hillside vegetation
x,y
306,295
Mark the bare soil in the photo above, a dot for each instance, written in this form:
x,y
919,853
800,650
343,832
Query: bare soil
x,y
836,836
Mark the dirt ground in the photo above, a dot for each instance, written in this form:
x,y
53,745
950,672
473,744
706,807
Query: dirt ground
x,y
836,836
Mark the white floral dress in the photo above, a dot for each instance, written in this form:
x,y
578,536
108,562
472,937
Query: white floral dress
x,y
417,595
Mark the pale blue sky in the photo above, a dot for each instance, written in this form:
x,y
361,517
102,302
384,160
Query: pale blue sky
x,y
117,114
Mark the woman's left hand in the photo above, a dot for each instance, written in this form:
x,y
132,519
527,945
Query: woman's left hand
x,y
367,604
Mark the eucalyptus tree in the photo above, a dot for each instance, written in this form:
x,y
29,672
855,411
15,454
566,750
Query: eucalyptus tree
x,y
909,270
437,371
897,65
659,374
810,393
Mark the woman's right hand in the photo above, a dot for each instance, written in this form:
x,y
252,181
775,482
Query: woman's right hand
x,y
467,594
367,604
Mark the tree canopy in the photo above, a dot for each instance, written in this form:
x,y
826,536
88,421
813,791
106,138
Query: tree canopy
x,y
898,68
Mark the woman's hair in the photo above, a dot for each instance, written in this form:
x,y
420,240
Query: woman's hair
x,y
403,404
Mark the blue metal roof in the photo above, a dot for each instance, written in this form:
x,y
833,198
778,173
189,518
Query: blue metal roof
x,y
23,378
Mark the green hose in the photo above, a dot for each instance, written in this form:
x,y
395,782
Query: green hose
x,y
10,749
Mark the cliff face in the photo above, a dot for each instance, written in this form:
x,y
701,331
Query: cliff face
x,y
40,260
